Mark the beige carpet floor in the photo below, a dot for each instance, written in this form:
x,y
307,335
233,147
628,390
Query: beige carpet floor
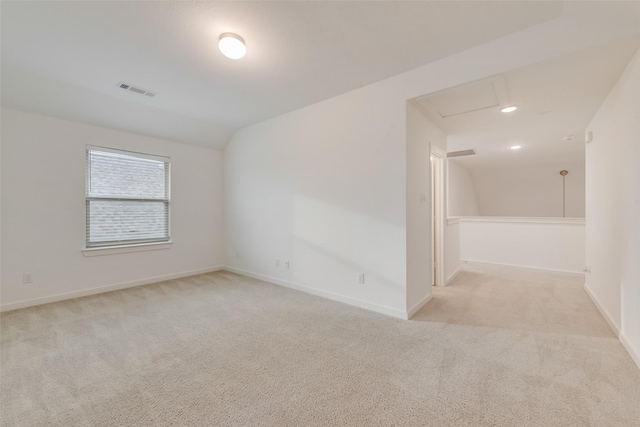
x,y
496,348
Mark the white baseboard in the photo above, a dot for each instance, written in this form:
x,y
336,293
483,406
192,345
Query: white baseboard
x,y
550,270
453,275
602,311
418,306
633,352
102,289
329,295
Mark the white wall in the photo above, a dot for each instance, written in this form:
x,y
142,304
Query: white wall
x,y
452,261
43,210
550,244
325,186
530,191
613,207
460,191
422,137
461,201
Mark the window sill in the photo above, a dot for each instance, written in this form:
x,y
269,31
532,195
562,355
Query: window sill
x,y
112,250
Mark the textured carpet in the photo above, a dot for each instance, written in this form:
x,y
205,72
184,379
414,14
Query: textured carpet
x,y
495,348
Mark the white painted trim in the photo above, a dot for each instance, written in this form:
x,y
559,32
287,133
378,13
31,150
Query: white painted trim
x,y
633,352
440,209
604,313
103,289
453,220
111,250
418,306
526,267
329,295
534,220
454,274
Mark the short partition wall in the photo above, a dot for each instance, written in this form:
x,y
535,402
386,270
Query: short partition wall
x,y
544,243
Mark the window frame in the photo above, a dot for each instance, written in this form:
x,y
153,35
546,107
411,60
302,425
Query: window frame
x,y
128,245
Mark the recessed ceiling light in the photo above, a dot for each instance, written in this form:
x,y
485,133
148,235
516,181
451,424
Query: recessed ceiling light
x,y
232,46
509,109
569,138
516,147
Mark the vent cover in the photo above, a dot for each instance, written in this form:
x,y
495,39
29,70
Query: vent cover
x,y
131,88
461,153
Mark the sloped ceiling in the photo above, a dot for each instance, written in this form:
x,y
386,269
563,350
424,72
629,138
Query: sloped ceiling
x,y
65,58
555,99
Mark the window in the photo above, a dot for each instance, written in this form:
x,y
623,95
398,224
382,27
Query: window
x,y
127,198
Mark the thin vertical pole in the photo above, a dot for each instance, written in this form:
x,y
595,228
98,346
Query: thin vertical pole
x,y
564,174
563,198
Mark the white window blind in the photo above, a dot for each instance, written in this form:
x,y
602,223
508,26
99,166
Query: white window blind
x,y
127,198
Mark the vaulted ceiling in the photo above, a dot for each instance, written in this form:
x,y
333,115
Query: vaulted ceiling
x,y
556,100
66,58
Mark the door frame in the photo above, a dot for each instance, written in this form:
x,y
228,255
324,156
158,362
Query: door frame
x,y
438,159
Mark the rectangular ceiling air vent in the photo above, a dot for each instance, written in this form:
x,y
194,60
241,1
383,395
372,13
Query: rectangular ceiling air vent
x,y
138,90
461,153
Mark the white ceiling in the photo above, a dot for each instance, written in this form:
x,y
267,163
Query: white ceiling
x,y
555,98
65,58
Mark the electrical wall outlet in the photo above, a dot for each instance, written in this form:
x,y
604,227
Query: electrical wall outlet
x,y
286,264
27,278
361,278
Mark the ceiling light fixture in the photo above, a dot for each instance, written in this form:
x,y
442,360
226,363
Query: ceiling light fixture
x,y
232,46
516,147
509,109
569,138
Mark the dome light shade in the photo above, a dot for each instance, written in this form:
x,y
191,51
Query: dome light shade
x,y
509,109
516,147
232,46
